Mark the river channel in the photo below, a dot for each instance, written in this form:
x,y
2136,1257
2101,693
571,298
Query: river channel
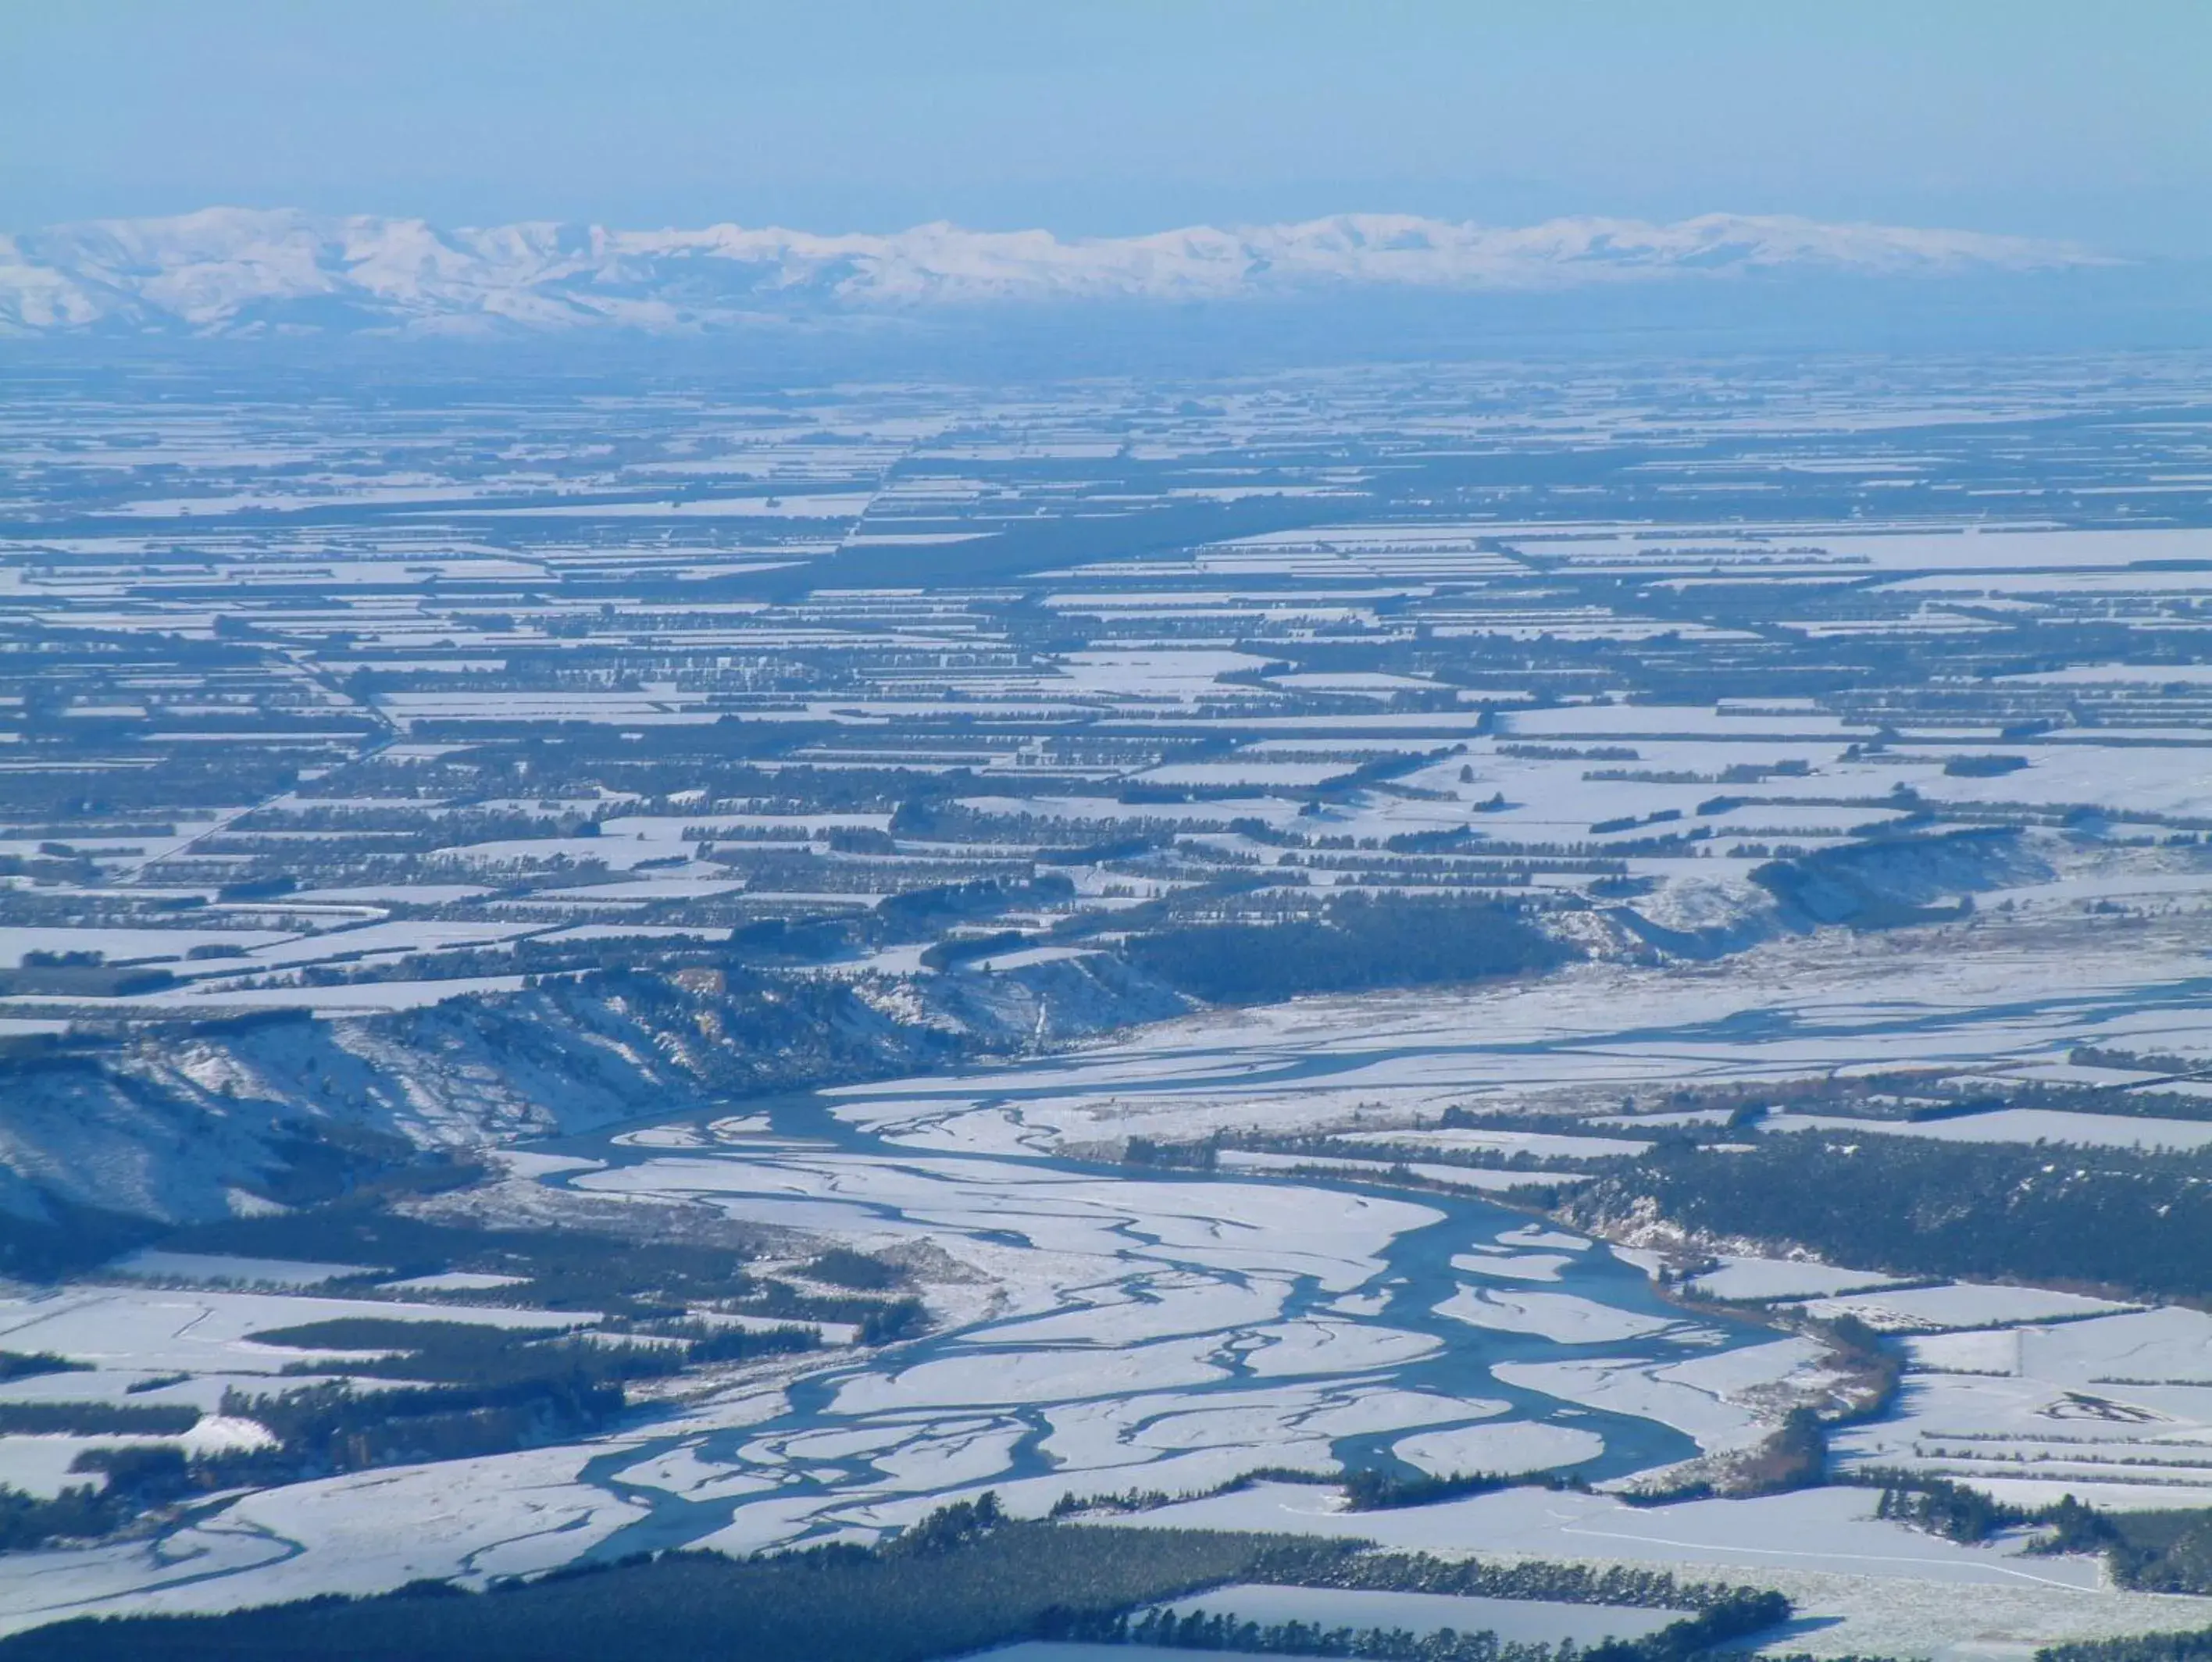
x,y
1163,1332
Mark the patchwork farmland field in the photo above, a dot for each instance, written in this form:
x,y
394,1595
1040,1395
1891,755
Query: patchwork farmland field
x,y
591,968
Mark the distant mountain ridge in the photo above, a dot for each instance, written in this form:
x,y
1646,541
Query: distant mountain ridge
x,y
237,270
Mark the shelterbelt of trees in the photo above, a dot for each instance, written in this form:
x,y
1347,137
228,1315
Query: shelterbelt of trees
x,y
2137,1223
1358,944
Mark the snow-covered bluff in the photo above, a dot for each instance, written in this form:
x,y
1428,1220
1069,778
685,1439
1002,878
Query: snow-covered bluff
x,y
238,271
186,1122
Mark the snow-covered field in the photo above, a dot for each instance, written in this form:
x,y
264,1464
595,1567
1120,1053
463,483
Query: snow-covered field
x,y
2115,1410
140,1330
152,1263
1737,1277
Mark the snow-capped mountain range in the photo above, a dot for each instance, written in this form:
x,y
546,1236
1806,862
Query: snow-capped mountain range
x,y
232,270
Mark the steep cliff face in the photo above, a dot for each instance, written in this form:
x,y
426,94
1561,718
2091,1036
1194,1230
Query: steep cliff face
x,y
1043,999
1883,882
183,1123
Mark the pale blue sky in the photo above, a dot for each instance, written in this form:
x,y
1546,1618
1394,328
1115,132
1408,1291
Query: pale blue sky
x,y
2088,121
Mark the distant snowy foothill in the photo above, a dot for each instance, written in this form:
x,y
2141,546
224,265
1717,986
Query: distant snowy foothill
x,y
227,271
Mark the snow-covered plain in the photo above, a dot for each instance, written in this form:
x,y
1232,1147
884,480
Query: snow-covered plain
x,y
1199,713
